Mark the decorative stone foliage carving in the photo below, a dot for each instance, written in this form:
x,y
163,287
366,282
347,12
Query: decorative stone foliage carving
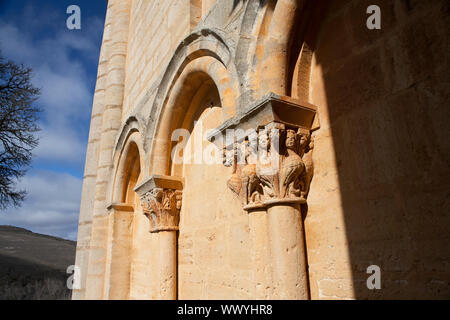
x,y
161,199
162,208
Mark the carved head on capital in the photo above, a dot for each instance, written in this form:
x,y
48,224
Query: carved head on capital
x,y
291,139
263,141
305,141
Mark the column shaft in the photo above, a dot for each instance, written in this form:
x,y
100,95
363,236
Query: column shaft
x,y
161,198
260,254
168,265
288,252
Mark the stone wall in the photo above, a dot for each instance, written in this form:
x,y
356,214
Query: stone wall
x,y
156,29
379,194
380,191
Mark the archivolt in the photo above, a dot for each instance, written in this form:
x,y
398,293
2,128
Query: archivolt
x,y
202,55
277,46
129,138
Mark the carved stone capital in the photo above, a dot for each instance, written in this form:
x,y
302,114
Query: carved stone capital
x,y
286,177
161,198
271,152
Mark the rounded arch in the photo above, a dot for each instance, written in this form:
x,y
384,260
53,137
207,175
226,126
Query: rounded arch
x,y
255,25
203,109
124,220
202,43
131,125
128,162
301,49
202,56
181,106
278,46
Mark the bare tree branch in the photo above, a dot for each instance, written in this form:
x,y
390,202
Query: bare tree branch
x,y
18,128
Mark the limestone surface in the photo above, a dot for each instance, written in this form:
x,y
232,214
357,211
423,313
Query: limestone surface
x,y
271,149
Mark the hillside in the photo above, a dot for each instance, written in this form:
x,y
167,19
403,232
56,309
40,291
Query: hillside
x,y
33,266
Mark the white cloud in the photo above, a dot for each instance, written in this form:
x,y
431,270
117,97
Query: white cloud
x,y
52,205
61,144
66,88
60,60
64,95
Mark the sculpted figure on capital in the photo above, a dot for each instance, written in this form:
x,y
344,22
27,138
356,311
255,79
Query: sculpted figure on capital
x,y
272,166
244,181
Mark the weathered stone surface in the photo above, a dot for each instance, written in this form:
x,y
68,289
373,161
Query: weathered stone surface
x,y
366,185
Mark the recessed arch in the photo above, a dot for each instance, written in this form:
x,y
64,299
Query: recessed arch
x,y
122,218
275,63
128,226
202,71
201,56
300,52
255,24
128,156
202,91
131,175
205,106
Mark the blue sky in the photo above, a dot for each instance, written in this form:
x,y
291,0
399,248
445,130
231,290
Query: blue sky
x,y
65,68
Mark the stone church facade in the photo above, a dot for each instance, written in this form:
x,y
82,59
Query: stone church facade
x,y
263,149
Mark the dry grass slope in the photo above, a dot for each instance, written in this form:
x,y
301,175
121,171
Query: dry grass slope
x,y
33,266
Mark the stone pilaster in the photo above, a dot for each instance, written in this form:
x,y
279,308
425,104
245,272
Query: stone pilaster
x,y
90,171
119,249
161,198
117,26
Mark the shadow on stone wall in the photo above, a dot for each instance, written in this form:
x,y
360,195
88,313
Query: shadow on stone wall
x,y
389,110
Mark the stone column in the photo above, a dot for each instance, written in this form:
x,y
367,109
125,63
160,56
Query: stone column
x,y
272,171
279,181
260,255
161,198
285,180
289,270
